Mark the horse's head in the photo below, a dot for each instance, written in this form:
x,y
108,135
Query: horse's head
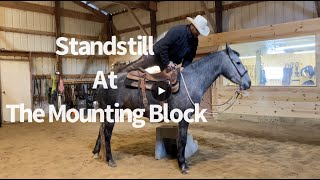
x,y
233,69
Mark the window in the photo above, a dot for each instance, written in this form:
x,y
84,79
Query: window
x,y
280,62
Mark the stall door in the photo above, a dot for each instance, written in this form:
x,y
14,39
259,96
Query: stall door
x,y
15,86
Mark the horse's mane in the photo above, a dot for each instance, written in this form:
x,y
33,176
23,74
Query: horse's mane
x,y
211,54
121,67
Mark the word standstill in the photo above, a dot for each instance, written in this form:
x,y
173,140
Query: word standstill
x,y
144,46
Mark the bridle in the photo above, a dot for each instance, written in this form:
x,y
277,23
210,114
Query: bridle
x,y
233,97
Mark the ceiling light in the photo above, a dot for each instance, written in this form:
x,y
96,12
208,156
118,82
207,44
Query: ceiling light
x,y
304,52
295,46
247,57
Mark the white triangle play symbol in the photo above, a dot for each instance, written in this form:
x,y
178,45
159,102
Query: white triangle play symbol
x,y
160,90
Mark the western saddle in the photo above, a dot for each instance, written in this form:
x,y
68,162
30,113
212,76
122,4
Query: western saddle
x,y
143,80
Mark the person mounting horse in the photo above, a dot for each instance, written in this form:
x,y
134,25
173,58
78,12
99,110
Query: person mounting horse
x,y
178,45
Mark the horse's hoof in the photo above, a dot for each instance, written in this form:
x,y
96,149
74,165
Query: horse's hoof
x,y
96,156
185,169
112,163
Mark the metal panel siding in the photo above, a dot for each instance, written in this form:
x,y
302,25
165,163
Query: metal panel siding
x,y
44,22
255,15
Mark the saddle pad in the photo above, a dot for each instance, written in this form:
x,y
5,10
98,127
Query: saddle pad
x,y
149,84
135,75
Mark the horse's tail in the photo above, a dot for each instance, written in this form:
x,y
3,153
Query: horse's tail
x,y
96,98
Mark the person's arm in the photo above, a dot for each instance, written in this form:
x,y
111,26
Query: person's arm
x,y
190,55
168,40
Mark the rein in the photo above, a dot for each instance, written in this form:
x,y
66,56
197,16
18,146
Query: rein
x,y
234,96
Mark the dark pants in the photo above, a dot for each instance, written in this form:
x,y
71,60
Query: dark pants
x,y
145,61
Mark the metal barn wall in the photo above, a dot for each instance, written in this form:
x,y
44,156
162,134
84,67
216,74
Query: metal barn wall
x,y
254,15
16,18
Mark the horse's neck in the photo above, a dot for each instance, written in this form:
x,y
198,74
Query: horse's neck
x,y
202,73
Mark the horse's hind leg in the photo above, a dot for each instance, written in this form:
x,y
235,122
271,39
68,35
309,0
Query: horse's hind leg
x,y
96,149
108,134
182,141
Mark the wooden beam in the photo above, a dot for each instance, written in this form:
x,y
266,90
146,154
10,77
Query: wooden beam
x,y
46,33
26,31
209,17
87,7
276,31
27,6
137,20
218,11
58,33
184,16
153,23
26,54
50,10
70,76
317,3
36,54
135,5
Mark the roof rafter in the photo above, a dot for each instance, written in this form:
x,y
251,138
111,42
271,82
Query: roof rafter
x,y
87,7
150,5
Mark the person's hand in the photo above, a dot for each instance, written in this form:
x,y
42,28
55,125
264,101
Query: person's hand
x,y
171,66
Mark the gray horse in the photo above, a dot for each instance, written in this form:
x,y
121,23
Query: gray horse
x,y
198,77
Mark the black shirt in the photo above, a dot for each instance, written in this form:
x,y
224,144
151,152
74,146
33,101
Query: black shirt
x,y
177,45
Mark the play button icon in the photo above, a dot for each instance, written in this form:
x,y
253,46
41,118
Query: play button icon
x,y
161,91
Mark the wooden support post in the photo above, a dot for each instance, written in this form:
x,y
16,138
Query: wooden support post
x,y
58,34
218,10
1,119
91,58
258,67
140,25
317,3
114,29
318,60
209,17
31,73
109,28
153,22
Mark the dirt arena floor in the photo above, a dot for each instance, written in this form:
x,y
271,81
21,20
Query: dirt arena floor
x,y
63,150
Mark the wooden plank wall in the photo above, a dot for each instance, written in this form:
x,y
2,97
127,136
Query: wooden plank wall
x,y
267,101
250,16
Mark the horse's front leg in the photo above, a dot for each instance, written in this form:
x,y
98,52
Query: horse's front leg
x,y
182,141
